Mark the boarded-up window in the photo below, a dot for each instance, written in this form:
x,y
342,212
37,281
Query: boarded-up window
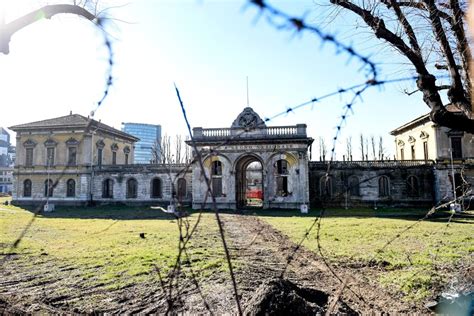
x,y
132,188
27,188
456,147
217,186
48,188
71,188
325,186
181,188
413,188
216,178
282,177
108,189
354,187
156,188
384,186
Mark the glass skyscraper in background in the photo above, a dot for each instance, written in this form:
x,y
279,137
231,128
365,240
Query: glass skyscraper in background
x,y
149,135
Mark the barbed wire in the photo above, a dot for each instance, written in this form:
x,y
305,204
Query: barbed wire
x,y
171,286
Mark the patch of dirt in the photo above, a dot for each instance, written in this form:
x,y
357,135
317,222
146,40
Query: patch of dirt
x,y
271,279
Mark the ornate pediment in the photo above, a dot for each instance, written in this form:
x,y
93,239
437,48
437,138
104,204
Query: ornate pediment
x,y
72,142
114,147
100,144
29,143
411,139
50,143
424,135
400,143
248,119
126,149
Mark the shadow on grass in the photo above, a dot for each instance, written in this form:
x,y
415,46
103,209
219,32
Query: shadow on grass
x,y
404,214
127,212
115,212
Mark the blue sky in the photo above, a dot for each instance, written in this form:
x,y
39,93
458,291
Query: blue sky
x,y
207,48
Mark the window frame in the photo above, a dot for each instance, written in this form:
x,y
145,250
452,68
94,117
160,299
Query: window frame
x,y
71,189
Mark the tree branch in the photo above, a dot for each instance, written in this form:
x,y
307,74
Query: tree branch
x,y
378,26
456,94
406,26
461,43
419,5
48,11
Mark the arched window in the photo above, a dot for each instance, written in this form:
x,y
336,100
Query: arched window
x,y
282,177
71,188
325,186
216,175
27,188
156,191
132,188
108,189
354,188
413,188
384,186
181,188
48,188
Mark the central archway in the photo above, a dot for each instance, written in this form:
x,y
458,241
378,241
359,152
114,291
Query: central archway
x,y
249,182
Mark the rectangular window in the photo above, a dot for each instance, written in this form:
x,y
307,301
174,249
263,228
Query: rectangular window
x,y
425,149
50,156
413,152
72,155
456,147
29,157
126,159
402,154
282,186
217,186
99,157
114,157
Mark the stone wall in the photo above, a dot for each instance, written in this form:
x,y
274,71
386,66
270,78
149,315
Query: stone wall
x,y
368,176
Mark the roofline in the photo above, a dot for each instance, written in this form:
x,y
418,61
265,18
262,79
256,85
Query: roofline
x,y
91,123
418,121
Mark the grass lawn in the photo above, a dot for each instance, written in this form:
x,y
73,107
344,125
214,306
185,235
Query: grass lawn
x,y
417,262
105,244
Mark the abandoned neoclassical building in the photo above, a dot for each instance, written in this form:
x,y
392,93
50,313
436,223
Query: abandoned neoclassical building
x,y
75,160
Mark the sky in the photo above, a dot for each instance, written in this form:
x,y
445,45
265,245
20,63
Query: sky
x,y
208,49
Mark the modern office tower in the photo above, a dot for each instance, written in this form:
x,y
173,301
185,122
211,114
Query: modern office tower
x,y
147,149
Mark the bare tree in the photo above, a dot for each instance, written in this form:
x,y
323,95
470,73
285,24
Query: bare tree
x,y
431,36
362,152
381,148
349,148
322,149
372,143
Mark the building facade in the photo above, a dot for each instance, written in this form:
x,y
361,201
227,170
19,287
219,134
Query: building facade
x,y
7,160
56,159
147,148
229,156
421,139
77,160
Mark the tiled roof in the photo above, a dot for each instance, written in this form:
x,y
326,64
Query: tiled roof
x,y
71,121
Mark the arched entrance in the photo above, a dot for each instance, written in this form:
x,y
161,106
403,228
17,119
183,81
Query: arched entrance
x,y
249,182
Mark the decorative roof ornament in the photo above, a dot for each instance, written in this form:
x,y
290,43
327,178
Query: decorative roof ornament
x,y
248,119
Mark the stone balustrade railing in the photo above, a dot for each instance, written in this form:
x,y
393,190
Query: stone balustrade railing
x,y
295,131
373,163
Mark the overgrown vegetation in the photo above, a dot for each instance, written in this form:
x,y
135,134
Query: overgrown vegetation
x,y
416,264
111,246
103,248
